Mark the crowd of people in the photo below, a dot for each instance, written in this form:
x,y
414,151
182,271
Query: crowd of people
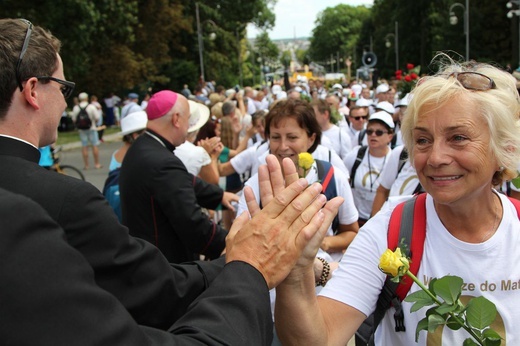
x,y
218,230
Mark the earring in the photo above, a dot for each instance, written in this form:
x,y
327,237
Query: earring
x,y
501,168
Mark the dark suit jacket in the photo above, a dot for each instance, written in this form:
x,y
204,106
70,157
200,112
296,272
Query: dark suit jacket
x,y
49,295
161,202
154,292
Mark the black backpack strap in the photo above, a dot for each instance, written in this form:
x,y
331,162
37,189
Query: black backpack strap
x,y
403,157
360,155
361,135
393,142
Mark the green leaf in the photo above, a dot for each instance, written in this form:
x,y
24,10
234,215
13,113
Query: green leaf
x,y
491,338
453,324
480,313
449,288
421,325
434,321
445,308
469,342
516,182
421,300
430,286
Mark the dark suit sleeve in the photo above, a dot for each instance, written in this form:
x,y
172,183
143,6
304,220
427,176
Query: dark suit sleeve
x,y
154,291
174,191
208,195
49,296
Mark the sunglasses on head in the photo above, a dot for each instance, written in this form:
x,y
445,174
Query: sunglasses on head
x,y
470,81
378,133
474,81
358,118
67,87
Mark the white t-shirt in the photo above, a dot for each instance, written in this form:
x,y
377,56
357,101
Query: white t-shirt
x,y
347,213
366,180
250,159
488,269
341,142
354,136
403,184
193,157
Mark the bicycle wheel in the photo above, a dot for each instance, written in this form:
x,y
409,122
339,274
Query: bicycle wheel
x,y
72,171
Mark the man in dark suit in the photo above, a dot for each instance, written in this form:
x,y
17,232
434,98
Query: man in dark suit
x,y
160,200
99,285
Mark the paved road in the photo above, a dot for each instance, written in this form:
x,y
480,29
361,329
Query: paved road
x,y
71,155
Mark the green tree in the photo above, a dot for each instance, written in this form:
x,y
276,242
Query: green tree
x,y
337,31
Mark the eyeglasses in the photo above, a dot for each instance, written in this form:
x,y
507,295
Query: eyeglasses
x,y
67,87
22,53
474,81
364,117
378,133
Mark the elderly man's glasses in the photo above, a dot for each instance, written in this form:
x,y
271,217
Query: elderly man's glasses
x,y
67,87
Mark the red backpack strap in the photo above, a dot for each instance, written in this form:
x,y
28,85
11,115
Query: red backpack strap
x,y
516,203
408,225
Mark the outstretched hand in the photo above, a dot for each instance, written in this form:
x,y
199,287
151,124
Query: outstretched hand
x,y
292,222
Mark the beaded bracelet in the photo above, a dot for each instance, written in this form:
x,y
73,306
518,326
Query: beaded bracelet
x,y
324,273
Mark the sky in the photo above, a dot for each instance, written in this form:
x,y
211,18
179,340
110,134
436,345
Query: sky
x,y
298,17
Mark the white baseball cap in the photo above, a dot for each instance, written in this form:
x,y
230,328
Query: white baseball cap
x,y
382,88
385,106
384,117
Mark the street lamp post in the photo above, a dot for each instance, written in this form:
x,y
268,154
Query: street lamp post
x,y
511,14
200,40
199,36
388,44
454,20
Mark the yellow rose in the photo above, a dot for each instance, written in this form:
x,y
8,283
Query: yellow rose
x,y
393,263
305,161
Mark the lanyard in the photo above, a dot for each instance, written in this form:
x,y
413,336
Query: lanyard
x,y
370,170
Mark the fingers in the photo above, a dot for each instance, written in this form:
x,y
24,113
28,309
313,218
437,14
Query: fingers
x,y
290,171
275,174
228,198
252,204
291,201
264,185
311,236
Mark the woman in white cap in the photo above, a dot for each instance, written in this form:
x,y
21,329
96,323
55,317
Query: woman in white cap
x,y
365,163
132,126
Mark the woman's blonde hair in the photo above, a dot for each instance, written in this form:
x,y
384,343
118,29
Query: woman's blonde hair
x,y
499,107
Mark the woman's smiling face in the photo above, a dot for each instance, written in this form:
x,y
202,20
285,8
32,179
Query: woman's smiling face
x,y
451,152
288,139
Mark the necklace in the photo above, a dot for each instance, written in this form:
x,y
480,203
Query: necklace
x,y
490,233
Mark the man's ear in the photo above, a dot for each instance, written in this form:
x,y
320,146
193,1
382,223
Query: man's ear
x,y
175,119
30,93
